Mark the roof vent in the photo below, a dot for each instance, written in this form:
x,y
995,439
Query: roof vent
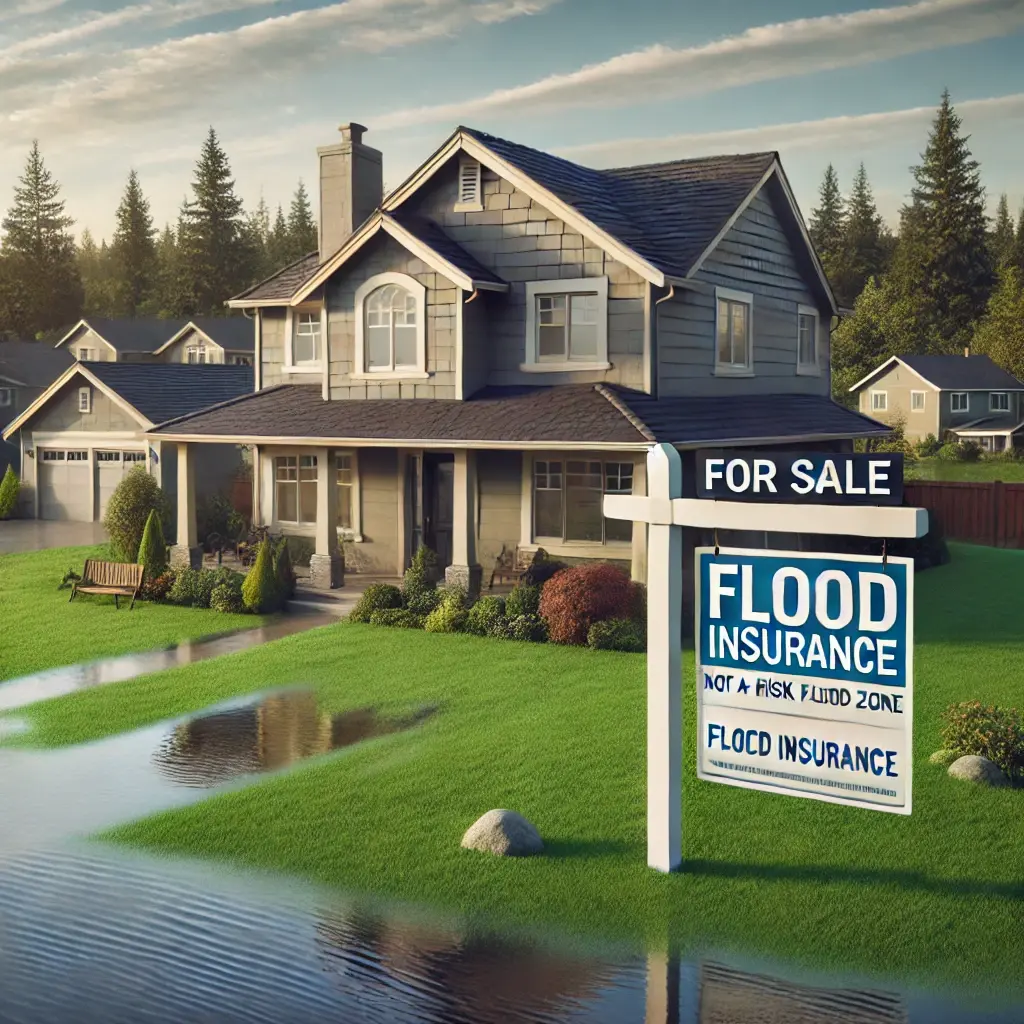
x,y
469,186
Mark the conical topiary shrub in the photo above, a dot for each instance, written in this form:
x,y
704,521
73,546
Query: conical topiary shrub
x,y
9,487
153,549
259,591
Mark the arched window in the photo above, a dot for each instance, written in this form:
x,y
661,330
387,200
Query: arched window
x,y
391,329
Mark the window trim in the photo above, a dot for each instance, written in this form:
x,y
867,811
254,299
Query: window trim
x,y
1002,394
290,366
296,525
731,369
200,350
353,533
469,205
924,400
965,395
89,357
570,286
85,400
419,291
6,397
884,407
812,369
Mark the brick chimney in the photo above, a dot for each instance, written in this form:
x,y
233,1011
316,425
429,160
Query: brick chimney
x,y
351,187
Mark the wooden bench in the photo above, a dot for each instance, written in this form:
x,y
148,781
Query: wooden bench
x,y
122,579
511,564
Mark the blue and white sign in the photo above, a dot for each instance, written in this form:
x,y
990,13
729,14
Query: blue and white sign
x,y
805,674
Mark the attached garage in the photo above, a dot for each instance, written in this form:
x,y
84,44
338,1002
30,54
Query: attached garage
x,y
111,467
64,485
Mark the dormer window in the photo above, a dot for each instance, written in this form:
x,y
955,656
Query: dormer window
x,y
304,351
566,325
196,353
86,355
391,336
470,196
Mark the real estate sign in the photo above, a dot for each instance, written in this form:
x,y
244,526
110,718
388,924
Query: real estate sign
x,y
805,674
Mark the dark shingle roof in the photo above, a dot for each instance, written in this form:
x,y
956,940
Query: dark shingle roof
x,y
235,333
138,334
432,236
581,413
668,213
284,283
163,390
959,373
34,364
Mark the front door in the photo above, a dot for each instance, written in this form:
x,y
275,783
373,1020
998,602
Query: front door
x,y
438,499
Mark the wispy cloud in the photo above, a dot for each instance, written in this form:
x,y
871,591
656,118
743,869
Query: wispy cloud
x,y
28,8
853,132
139,85
762,53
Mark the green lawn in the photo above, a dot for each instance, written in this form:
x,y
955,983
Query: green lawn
x,y
983,469
41,630
558,734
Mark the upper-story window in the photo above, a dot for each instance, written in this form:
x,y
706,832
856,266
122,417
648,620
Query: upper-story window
x,y
567,325
307,330
85,399
196,354
999,401
879,401
241,361
734,334
917,401
390,327
807,340
470,191
86,355
6,397
959,401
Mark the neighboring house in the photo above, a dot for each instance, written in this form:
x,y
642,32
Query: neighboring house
x,y
475,360
88,428
968,396
153,339
27,368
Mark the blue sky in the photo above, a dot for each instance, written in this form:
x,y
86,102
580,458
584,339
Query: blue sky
x,y
106,85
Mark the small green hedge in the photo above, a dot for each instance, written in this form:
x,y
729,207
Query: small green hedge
x,y
376,597
617,635
993,732
400,617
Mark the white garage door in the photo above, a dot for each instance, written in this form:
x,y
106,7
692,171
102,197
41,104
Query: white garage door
x,y
111,467
64,491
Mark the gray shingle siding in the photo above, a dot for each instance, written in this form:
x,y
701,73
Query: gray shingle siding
x,y
272,327
756,256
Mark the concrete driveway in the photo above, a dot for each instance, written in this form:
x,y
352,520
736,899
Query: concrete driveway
x,y
38,535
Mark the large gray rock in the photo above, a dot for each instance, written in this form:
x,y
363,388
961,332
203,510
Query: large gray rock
x,y
504,833
972,768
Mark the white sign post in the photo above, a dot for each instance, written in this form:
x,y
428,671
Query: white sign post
x,y
666,511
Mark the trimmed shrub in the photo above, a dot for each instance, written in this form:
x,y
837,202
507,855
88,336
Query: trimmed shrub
x,y
993,732
194,587
227,597
159,587
617,635
928,446
128,510
524,600
399,617
9,488
541,569
576,598
484,614
419,591
283,571
526,628
449,616
259,591
153,549
377,597
959,451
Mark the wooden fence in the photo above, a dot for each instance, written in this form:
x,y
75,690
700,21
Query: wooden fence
x,y
980,512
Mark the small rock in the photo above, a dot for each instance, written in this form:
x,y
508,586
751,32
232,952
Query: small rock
x,y
503,833
944,757
978,769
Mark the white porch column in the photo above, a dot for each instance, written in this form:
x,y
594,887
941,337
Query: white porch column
x,y
186,552
326,566
464,571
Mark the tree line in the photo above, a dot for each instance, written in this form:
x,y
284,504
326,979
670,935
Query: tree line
x,y
948,281
215,249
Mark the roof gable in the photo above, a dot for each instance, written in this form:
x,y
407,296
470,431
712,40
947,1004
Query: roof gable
x,y
130,334
949,373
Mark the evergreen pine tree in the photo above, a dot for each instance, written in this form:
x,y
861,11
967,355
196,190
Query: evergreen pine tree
x,y
257,237
215,259
133,251
278,243
1002,238
302,233
1018,247
153,548
96,272
1000,333
943,255
864,248
826,226
162,302
39,253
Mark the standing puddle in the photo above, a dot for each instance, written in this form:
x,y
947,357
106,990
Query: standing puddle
x,y
50,795
57,682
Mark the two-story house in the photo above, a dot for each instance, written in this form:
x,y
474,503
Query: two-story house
x,y
476,359
969,397
154,339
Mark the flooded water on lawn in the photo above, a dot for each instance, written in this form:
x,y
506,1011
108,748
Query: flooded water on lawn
x,y
17,693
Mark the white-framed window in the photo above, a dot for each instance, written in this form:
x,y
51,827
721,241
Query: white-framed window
x,y
108,456
959,401
917,401
567,325
53,455
85,399
295,488
470,192
879,401
391,330
734,332
241,361
305,332
999,401
807,340
86,355
196,353
6,397
568,498
344,469
129,457
77,456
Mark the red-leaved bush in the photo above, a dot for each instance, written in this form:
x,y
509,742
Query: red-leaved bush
x,y
575,598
